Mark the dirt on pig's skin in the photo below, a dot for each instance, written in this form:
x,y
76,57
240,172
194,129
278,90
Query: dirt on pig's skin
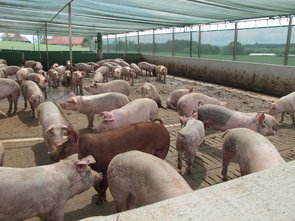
x,y
22,136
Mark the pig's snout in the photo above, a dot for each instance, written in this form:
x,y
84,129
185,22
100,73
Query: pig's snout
x,y
97,177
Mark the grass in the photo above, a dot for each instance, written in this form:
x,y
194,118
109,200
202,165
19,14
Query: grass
x,y
16,45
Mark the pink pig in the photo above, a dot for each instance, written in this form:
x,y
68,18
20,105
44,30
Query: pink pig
x,y
10,90
53,126
282,105
252,151
190,102
120,86
136,179
95,104
189,138
44,190
222,118
138,110
175,95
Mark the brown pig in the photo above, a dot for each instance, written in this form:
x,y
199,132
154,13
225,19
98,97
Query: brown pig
x,y
137,179
252,151
10,90
149,137
44,190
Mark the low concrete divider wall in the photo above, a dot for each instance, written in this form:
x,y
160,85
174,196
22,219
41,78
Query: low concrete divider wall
x,y
275,80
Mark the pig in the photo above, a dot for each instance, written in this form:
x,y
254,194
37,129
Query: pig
x,y
98,77
161,70
77,82
66,78
69,65
104,72
10,90
40,80
3,61
222,118
138,110
35,65
148,67
190,102
148,90
128,73
33,94
121,62
269,120
1,154
136,179
119,86
104,146
60,69
95,104
252,151
22,74
10,70
2,75
136,69
53,126
84,67
282,105
116,72
189,138
54,77
44,190
174,97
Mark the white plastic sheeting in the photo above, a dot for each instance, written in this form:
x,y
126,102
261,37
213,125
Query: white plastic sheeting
x,y
89,17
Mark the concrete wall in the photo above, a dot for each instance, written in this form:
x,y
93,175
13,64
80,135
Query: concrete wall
x,y
275,80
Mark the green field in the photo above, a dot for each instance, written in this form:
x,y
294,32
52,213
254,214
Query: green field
x,y
16,45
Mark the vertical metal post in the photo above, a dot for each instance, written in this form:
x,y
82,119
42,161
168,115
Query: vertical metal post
x,y
126,45
288,41
138,45
46,40
38,41
154,44
173,42
34,42
191,44
108,44
200,42
70,32
116,41
235,42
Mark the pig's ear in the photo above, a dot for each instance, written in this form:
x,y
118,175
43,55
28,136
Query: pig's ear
x,y
73,100
190,90
74,158
87,160
260,118
225,104
50,129
195,115
73,135
182,120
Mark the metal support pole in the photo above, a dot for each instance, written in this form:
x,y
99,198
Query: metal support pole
x,y
126,45
191,44
138,45
173,42
70,32
38,41
288,41
154,44
46,40
235,42
108,44
199,43
116,42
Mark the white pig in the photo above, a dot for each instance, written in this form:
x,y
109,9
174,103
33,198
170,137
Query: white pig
x,y
119,86
189,103
22,74
175,95
138,110
161,71
148,67
53,126
136,179
136,69
95,104
44,190
128,73
252,151
10,90
32,93
77,82
282,105
40,80
148,90
189,138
